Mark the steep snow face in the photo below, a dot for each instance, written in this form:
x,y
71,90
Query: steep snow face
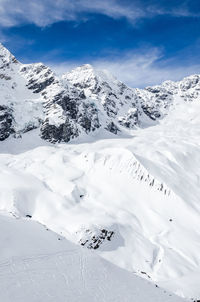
x,y
20,109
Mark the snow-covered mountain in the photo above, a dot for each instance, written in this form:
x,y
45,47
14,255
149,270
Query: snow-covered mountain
x,y
80,102
125,187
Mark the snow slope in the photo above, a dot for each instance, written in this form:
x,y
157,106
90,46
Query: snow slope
x,y
38,265
126,186
145,193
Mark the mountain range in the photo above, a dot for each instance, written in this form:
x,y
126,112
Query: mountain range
x,y
107,176
83,101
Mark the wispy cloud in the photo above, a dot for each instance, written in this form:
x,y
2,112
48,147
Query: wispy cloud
x,y
46,12
137,69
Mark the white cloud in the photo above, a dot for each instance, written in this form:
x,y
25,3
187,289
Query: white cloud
x,y
137,69
46,12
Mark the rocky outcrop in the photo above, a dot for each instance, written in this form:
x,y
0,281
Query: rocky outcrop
x,y
39,77
6,122
93,240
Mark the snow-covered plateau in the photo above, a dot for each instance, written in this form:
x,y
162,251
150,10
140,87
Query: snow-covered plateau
x,y
99,187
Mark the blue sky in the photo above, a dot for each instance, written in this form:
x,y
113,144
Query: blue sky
x,y
140,42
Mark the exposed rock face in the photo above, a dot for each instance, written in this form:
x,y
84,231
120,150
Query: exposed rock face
x,y
6,120
67,115
93,240
111,127
130,120
39,77
81,101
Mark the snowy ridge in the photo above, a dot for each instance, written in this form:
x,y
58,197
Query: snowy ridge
x,y
123,162
130,165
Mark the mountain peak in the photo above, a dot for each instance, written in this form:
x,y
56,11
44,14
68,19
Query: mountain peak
x,y
2,47
87,75
86,67
6,57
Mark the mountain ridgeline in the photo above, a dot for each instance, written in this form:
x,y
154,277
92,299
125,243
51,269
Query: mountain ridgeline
x,y
83,101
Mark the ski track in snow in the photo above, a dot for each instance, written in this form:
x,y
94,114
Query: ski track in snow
x,y
69,273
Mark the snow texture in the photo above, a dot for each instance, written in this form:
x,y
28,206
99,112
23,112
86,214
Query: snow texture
x,y
37,265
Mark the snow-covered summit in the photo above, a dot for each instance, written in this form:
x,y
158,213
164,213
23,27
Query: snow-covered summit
x,y
87,75
113,99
